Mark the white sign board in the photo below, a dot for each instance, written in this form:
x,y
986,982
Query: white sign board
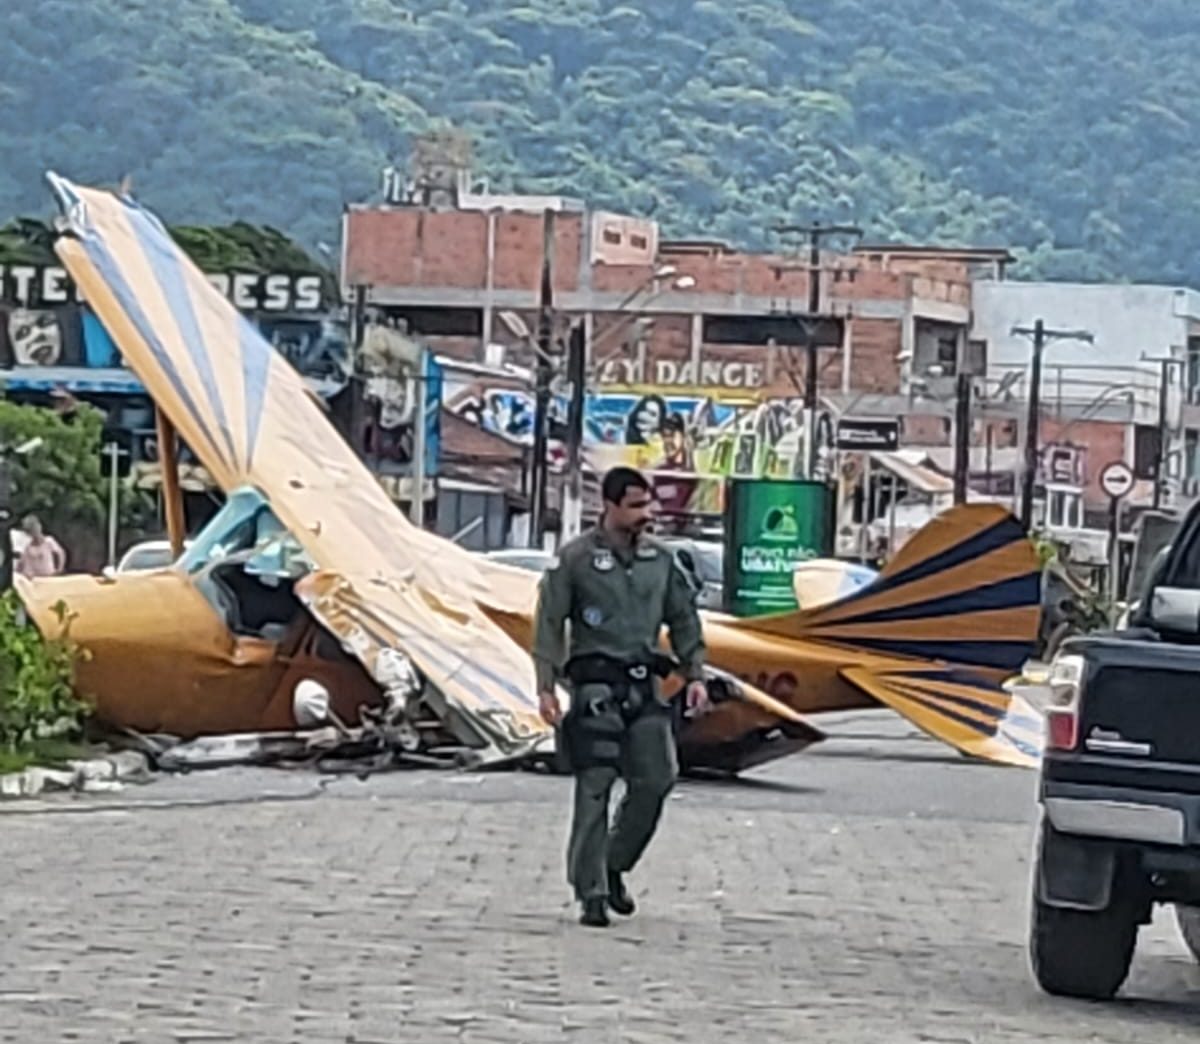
x,y
1116,480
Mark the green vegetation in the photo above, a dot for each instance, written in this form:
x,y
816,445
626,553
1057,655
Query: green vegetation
x,y
1061,127
62,483
40,715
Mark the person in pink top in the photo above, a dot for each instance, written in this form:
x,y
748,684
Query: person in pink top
x,y
43,555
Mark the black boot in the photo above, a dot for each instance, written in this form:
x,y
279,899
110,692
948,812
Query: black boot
x,y
619,898
594,914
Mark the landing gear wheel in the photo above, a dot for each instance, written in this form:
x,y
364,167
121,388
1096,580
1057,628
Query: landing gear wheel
x,y
1188,919
1082,953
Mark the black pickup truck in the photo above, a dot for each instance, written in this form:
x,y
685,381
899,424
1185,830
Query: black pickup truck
x,y
1120,785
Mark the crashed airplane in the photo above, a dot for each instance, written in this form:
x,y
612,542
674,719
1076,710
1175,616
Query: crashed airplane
x,y
311,580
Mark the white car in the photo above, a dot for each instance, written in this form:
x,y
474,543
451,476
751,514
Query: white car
x,y
523,558
148,555
701,560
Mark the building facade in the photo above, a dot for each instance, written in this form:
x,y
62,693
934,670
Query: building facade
x,y
695,350
1131,394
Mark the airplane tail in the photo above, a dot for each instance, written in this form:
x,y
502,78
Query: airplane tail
x,y
964,590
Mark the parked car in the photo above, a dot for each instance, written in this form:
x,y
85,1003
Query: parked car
x,y
1119,791
149,554
523,558
704,562
701,560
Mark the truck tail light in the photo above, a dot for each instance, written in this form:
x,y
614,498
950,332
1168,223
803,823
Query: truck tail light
x,y
1062,728
1062,715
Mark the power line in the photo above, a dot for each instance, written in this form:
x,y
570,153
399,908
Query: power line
x,y
814,233
1041,337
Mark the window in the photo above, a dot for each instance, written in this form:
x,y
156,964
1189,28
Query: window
x,y
1192,383
947,354
1146,442
245,527
431,321
1064,508
244,563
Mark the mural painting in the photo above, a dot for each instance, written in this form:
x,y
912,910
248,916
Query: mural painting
x,y
688,440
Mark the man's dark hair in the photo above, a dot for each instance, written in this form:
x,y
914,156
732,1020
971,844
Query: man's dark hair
x,y
620,481
674,422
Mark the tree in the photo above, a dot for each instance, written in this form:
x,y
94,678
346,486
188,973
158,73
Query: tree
x,y
61,480
1057,128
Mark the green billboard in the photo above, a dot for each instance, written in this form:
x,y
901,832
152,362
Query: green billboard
x,y
771,526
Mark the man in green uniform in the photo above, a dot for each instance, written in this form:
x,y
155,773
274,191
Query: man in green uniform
x,y
614,588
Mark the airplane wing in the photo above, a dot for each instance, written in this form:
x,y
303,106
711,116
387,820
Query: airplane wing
x,y
747,729
972,714
248,417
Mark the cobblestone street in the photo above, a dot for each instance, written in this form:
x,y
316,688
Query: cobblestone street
x,y
873,890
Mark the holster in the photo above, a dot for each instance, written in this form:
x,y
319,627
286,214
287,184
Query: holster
x,y
607,694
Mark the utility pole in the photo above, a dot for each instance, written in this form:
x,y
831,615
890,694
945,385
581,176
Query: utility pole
x,y
1161,456
6,522
572,514
114,452
962,435
1041,337
416,503
544,374
1162,446
814,233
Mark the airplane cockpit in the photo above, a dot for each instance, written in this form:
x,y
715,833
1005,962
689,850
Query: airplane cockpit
x,y
246,564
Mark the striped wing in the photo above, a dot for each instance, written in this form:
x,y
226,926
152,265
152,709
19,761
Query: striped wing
x,y
973,715
248,416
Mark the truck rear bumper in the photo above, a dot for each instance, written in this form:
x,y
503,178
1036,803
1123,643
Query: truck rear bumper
x,y
1136,816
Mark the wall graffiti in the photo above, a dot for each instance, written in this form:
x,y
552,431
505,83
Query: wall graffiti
x,y
691,438
704,435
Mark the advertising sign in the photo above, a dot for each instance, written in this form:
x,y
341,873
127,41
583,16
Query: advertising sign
x,y
770,527
40,286
868,434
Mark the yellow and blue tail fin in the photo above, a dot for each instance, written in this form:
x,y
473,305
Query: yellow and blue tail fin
x,y
949,618
966,589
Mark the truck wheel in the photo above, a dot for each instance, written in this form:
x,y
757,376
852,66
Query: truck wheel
x,y
1082,953
1188,918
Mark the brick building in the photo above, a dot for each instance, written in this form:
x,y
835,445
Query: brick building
x,y
699,332
716,317
695,350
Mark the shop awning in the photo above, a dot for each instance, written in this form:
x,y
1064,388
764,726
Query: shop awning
x,y
113,380
908,466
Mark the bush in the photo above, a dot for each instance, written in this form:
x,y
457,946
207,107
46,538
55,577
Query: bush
x,y
37,676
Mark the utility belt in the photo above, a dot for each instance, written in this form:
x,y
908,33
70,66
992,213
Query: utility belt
x,y
597,720
630,683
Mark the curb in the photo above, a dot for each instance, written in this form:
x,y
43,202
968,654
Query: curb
x,y
94,775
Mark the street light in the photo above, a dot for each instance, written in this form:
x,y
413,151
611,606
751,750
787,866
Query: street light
x,y
579,376
1040,335
684,282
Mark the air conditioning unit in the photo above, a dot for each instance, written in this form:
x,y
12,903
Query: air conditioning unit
x,y
494,354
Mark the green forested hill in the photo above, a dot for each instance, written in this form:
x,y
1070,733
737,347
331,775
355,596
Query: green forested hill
x,y
1064,127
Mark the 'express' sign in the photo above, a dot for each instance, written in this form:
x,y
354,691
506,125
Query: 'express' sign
x,y
45,286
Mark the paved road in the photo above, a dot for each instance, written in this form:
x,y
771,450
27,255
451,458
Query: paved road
x,y
874,890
